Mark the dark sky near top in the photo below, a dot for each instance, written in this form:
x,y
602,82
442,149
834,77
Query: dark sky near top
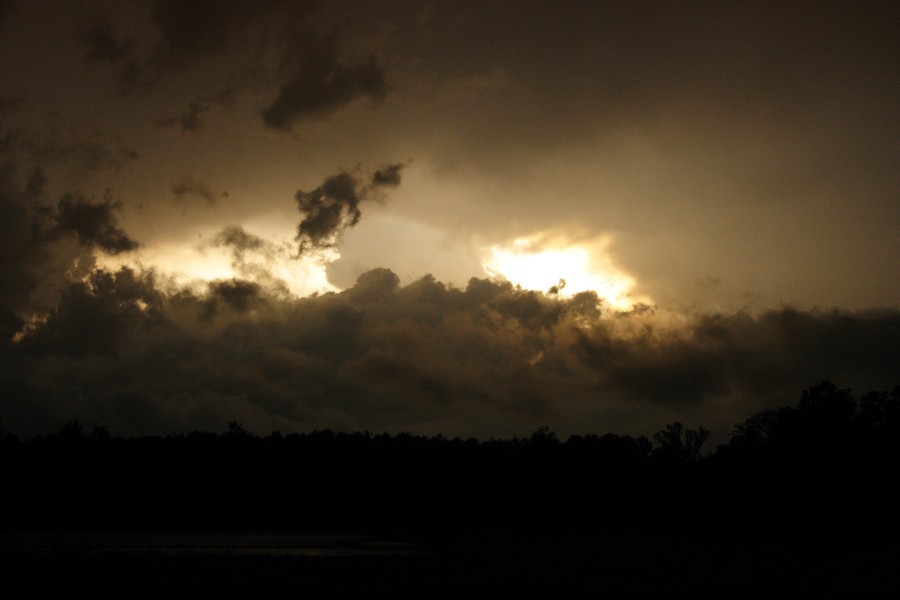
x,y
316,213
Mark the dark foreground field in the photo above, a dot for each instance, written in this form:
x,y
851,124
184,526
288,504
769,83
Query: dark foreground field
x,y
800,499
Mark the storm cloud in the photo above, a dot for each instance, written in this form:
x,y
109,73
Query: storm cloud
x,y
487,359
46,247
723,176
321,85
94,223
189,32
287,45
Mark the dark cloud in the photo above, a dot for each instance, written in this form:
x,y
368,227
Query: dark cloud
x,y
328,210
239,240
189,120
375,286
83,151
7,9
489,359
723,356
60,145
189,32
189,186
203,28
97,316
253,258
93,223
251,255
272,43
34,186
239,295
389,175
334,206
21,251
322,84
708,282
102,45
8,104
192,118
46,247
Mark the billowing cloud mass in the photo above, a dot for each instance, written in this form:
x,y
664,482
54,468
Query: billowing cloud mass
x,y
140,354
487,359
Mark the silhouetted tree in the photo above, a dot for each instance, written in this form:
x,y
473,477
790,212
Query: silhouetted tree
x,y
680,443
100,433
817,462
72,431
542,436
236,430
828,402
881,409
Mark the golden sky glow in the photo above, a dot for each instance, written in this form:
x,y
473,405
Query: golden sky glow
x,y
199,264
536,263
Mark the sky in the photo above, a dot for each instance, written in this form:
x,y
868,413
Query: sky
x,y
468,218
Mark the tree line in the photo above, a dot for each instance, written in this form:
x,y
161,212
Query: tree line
x,y
832,458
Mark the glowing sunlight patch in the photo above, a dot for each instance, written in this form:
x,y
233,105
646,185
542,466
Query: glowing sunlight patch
x,y
192,265
538,263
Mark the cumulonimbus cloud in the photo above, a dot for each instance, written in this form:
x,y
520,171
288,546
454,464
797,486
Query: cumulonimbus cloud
x,y
487,359
134,351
